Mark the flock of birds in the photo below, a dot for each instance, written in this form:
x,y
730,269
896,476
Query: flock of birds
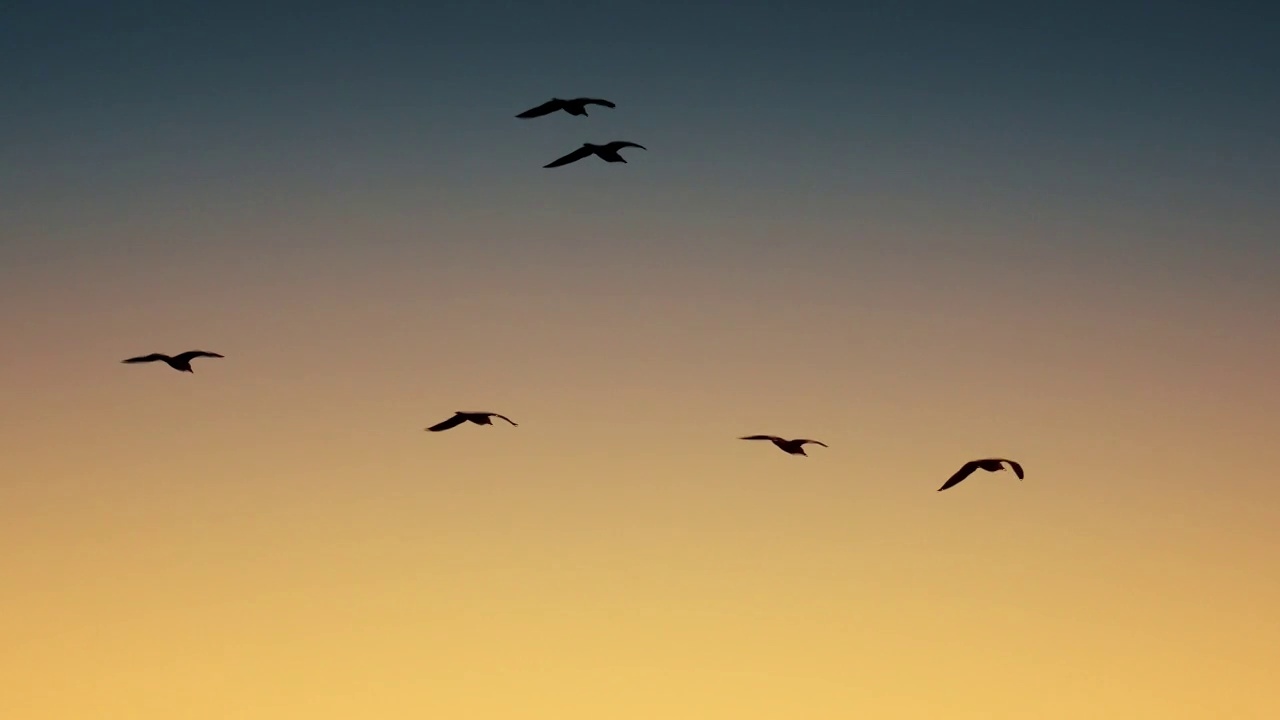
x,y
609,153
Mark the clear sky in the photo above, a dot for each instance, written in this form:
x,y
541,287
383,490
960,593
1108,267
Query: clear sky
x,y
919,232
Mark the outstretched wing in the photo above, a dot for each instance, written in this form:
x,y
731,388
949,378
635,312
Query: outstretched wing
x,y
146,358
504,417
616,144
761,437
815,442
598,101
192,354
545,108
1017,469
574,156
965,471
452,422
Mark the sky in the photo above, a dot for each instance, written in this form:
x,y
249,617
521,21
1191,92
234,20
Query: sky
x,y
919,232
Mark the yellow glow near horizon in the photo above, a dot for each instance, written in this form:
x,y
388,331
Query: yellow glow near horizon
x,y
275,537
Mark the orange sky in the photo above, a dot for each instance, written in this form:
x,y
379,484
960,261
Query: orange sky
x,y
919,234
275,536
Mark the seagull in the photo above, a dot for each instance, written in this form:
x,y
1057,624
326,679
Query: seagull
x,y
989,464
607,152
794,447
181,363
459,417
577,106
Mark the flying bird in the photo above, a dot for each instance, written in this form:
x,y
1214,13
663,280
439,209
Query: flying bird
x,y
576,106
794,447
181,363
607,152
989,464
459,417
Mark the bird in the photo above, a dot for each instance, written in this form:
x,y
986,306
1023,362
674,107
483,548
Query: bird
x,y
459,417
181,363
607,152
576,106
793,447
988,464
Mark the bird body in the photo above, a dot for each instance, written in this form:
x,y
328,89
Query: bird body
x,y
181,363
792,447
575,106
988,464
459,417
607,152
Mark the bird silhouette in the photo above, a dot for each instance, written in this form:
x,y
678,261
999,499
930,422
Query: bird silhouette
x,y
181,363
793,447
576,106
459,417
988,464
607,152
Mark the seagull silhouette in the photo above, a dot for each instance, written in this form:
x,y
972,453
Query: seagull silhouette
x,y
459,417
607,152
989,464
576,106
794,447
181,363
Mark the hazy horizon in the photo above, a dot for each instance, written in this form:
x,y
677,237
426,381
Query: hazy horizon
x,y
919,233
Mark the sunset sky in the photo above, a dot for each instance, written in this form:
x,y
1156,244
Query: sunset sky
x,y
920,232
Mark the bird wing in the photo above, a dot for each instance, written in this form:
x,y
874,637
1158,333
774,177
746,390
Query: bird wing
x,y
761,437
815,442
965,471
452,422
598,101
545,108
574,156
1017,469
504,417
191,354
146,358
626,143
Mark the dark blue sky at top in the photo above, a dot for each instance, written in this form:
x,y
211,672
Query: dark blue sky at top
x,y
1182,98
60,56
59,53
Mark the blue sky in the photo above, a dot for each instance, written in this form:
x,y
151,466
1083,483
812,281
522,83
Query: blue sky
x,y
1143,132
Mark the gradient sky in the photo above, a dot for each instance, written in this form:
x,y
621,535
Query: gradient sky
x,y
920,232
